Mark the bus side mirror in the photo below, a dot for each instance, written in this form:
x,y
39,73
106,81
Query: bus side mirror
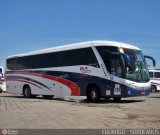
x,y
151,58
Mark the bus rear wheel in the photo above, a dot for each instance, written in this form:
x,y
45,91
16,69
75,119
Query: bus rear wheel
x,y
27,92
93,94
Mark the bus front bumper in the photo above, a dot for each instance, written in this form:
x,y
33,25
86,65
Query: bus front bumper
x,y
134,92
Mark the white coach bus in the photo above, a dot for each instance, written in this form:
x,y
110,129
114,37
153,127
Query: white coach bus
x,y
94,69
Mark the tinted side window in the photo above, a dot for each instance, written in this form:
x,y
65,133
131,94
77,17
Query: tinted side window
x,y
65,58
18,63
83,56
151,74
157,74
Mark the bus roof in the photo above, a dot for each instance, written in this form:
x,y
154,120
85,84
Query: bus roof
x,y
78,46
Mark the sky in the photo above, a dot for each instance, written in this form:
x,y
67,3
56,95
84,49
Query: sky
x,y
30,25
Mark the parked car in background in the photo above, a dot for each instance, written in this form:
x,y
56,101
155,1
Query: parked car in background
x,y
155,80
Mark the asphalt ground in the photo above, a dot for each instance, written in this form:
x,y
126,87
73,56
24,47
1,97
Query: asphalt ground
x,y
17,112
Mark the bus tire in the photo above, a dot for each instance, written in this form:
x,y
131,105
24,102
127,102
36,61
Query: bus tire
x,y
27,91
93,94
117,99
48,96
153,88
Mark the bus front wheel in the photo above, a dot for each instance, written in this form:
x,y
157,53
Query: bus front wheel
x,y
93,94
27,91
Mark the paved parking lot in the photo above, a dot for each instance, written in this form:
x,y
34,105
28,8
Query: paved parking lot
x,y
17,112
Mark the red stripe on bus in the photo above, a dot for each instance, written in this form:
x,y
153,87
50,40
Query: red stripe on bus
x,y
75,90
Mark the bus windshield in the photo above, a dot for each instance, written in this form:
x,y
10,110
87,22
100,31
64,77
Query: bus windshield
x,y
138,69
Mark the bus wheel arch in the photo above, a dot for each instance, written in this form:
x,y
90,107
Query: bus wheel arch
x,y
26,91
93,93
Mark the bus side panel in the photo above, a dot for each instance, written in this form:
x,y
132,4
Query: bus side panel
x,y
62,84
107,88
13,87
112,89
41,83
